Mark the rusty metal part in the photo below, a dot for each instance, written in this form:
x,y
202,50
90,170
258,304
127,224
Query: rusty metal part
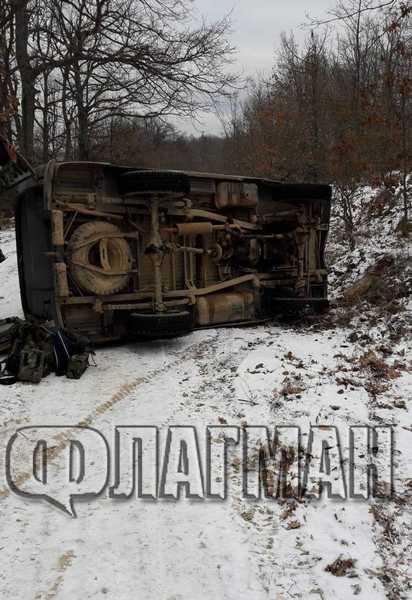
x,y
202,228
144,305
62,283
156,254
224,285
57,228
90,212
190,213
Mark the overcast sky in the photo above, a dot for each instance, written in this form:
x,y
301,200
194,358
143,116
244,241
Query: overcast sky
x,y
257,25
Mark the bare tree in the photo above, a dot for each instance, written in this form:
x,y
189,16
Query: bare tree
x,y
27,72
403,80
134,58
8,82
370,6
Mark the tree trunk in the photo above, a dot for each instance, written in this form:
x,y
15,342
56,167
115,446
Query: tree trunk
x,y
45,124
28,77
83,141
404,145
7,91
82,119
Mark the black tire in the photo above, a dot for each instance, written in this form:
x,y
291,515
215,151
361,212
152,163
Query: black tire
x,y
154,182
153,326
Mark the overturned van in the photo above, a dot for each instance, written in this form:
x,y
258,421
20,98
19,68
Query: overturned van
x,y
115,252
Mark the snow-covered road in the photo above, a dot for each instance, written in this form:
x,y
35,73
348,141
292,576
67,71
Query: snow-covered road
x,y
237,549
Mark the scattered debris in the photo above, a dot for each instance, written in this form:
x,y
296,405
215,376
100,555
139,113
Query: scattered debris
x,y
289,510
247,515
342,568
291,387
293,525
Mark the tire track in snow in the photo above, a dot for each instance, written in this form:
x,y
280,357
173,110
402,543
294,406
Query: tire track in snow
x,y
125,390
64,562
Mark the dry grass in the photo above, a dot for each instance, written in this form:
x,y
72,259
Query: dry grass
x,y
378,367
341,567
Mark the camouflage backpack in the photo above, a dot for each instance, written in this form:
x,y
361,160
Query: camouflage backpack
x,y
35,350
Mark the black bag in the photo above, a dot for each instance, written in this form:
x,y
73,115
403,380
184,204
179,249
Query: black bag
x,y
8,330
36,350
77,365
31,357
66,345
32,365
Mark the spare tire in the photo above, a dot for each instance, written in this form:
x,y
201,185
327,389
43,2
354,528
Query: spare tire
x,y
99,264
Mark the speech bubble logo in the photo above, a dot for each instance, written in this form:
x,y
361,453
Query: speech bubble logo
x,y
58,464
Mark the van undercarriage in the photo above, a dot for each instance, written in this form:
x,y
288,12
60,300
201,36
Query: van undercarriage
x,y
119,253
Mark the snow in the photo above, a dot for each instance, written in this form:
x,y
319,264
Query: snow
x,y
191,550
375,234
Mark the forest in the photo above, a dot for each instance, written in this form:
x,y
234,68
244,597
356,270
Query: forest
x,y
103,80
110,81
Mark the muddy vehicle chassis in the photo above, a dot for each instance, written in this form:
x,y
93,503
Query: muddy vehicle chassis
x,y
121,253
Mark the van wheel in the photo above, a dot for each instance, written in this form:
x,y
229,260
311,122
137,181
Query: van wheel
x,y
99,262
